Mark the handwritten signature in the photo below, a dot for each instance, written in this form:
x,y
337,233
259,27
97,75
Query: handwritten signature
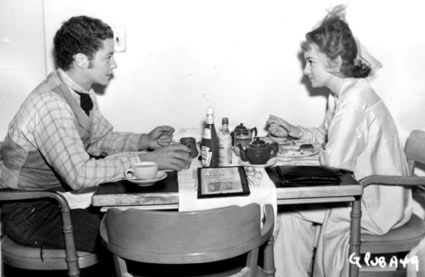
x,y
382,262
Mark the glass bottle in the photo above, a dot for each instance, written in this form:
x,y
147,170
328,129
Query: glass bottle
x,y
209,142
224,144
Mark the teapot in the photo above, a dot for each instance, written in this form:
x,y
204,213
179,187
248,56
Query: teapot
x,y
258,151
243,135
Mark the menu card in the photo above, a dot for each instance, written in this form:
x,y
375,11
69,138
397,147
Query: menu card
x,y
222,181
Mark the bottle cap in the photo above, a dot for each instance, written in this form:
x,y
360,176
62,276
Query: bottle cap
x,y
210,110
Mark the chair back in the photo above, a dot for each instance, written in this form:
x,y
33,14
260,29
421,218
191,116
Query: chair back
x,y
400,240
166,237
415,148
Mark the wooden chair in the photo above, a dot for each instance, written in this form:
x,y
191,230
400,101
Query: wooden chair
x,y
182,238
32,258
404,238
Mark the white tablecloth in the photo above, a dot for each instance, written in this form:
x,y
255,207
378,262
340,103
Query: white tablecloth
x,y
262,191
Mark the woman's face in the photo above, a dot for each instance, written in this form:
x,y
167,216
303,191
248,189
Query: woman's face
x,y
316,68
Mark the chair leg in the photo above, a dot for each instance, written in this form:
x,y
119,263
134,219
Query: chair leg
x,y
355,241
268,267
316,242
121,267
252,261
313,260
1,237
71,252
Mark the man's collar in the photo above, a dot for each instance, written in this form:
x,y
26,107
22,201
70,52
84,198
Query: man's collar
x,y
71,83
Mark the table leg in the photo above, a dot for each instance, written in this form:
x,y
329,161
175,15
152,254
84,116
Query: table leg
x,y
356,214
268,266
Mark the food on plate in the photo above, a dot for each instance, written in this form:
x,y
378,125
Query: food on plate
x,y
282,140
288,150
306,148
298,150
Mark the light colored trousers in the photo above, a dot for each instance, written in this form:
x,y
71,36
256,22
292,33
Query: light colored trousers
x,y
300,228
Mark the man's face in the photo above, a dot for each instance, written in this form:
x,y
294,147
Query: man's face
x,y
103,63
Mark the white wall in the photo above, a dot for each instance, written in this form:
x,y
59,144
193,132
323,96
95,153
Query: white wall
x,y
22,60
242,57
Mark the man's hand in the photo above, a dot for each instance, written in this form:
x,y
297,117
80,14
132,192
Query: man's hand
x,y
173,157
281,128
160,136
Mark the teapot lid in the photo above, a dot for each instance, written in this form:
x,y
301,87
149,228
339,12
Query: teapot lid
x,y
240,128
258,142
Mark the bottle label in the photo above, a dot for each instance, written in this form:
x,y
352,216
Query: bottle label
x,y
225,150
207,133
206,155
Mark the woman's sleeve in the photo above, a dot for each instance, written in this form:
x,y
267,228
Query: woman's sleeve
x,y
347,134
319,134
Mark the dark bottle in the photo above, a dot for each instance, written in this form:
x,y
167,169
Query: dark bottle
x,y
209,142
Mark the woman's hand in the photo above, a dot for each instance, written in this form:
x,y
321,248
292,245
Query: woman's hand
x,y
160,136
280,128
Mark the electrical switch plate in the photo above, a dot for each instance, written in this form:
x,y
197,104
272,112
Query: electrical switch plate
x,y
119,39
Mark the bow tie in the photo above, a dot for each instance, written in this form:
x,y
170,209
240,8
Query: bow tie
x,y
85,102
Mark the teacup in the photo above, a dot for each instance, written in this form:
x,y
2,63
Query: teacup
x,y
142,170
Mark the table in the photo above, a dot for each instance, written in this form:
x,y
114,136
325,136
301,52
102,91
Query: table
x,y
164,195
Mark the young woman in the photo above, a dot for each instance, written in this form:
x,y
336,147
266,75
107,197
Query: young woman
x,y
359,135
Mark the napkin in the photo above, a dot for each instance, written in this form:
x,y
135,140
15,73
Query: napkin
x,y
80,199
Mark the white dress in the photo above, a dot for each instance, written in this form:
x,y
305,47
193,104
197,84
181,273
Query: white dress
x,y
360,136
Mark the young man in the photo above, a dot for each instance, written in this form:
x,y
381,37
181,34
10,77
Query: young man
x,y
59,140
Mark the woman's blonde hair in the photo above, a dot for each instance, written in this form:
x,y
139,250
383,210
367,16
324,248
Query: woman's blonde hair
x,y
334,38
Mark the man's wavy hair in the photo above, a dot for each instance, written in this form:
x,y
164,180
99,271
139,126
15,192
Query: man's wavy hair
x,y
80,34
334,38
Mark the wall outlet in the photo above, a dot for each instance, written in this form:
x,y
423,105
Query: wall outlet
x,y
119,39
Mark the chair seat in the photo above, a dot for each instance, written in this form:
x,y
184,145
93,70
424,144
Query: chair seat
x,y
403,238
26,257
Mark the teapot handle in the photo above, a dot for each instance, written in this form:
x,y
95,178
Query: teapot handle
x,y
254,130
242,152
274,149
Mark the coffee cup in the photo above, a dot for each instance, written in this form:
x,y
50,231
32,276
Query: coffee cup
x,y
142,170
191,143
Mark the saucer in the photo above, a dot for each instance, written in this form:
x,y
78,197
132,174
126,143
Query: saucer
x,y
270,162
161,175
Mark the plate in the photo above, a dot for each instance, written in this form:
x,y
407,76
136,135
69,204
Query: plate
x,y
292,151
286,140
270,162
161,175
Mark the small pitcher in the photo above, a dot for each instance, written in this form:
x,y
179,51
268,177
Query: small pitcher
x,y
242,135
